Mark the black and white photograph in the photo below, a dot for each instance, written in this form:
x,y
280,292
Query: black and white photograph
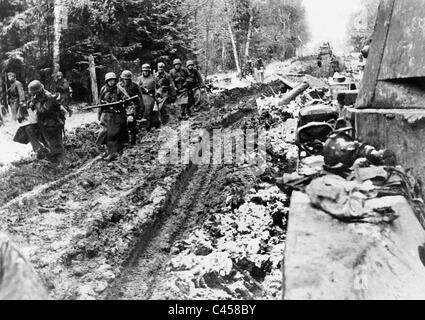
x,y
235,152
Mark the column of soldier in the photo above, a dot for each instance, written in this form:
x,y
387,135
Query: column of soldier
x,y
125,107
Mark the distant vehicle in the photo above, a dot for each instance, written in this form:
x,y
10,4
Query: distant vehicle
x,y
325,50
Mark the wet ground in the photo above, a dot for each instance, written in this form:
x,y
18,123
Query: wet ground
x,y
138,229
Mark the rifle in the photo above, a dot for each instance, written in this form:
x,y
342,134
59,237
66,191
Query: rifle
x,y
112,104
187,90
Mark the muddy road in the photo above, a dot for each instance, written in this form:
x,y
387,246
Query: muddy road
x,y
139,229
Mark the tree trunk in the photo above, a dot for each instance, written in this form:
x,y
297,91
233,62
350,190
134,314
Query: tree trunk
x,y
232,38
60,16
207,52
249,35
235,49
92,70
223,55
295,92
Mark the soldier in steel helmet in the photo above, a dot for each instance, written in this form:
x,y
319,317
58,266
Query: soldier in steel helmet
x,y
63,91
164,91
195,83
134,111
16,95
47,140
147,85
113,119
180,76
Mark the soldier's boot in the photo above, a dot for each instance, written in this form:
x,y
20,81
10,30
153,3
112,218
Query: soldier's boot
x,y
183,112
189,111
133,138
41,153
69,110
111,157
164,115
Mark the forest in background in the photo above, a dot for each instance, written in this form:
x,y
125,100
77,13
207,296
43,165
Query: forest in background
x,y
361,24
39,37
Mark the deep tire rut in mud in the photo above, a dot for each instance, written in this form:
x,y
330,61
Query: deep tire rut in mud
x,y
108,230
154,250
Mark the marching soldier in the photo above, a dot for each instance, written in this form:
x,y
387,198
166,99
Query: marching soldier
x,y
113,119
135,111
180,78
16,96
195,82
260,70
63,91
164,90
147,85
46,112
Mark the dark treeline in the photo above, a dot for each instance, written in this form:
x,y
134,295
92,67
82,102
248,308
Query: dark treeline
x,y
37,35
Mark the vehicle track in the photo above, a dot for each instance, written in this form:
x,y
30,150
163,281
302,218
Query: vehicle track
x,y
146,266
187,208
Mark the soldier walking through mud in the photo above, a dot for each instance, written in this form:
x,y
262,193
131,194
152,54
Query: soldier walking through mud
x,y
147,85
113,119
195,83
134,111
63,91
16,96
180,76
46,137
164,91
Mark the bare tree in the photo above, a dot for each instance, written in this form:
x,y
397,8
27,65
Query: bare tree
x,y
60,16
249,34
232,37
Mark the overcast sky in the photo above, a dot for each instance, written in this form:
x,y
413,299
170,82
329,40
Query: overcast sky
x,y
328,21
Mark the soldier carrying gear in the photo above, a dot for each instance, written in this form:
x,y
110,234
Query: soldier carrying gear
x,y
134,112
146,83
16,97
164,90
180,77
195,82
63,91
112,119
46,137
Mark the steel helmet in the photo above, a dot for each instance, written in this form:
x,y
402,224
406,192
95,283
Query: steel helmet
x,y
177,61
161,65
126,74
110,76
190,63
35,86
146,67
340,149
